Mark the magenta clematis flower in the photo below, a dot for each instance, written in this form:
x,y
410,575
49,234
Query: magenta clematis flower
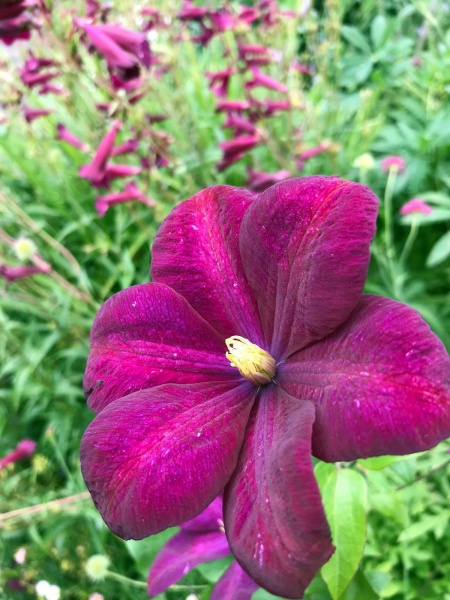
x,y
313,366
416,205
22,451
200,540
393,162
131,192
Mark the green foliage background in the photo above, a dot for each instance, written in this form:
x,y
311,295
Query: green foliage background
x,y
381,86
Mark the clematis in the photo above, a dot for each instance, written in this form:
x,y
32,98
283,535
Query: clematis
x,y
252,349
200,540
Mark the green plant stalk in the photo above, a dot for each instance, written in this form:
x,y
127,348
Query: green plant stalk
x,y
388,230
412,235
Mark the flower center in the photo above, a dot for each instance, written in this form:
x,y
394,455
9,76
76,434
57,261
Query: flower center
x,y
254,363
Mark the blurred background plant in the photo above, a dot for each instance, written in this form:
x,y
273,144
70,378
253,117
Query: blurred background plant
x,y
172,97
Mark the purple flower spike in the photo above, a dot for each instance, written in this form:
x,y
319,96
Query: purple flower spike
x,y
201,539
416,205
235,149
252,349
219,81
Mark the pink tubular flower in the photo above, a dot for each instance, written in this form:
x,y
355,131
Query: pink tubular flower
x,y
127,147
131,192
416,205
232,105
311,152
235,149
95,170
222,20
63,134
259,181
16,20
31,114
313,367
219,81
200,540
239,124
22,451
261,79
119,47
272,107
12,274
393,162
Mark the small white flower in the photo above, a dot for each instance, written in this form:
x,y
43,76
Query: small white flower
x,y
20,555
97,567
47,591
24,248
96,596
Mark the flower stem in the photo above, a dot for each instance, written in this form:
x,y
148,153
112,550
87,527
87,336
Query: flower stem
x,y
126,580
410,239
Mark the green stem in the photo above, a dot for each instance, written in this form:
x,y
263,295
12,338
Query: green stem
x,y
410,240
388,229
126,580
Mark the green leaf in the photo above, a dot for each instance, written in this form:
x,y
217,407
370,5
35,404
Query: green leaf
x,y
379,462
360,588
355,70
344,497
378,31
214,569
440,251
355,38
429,523
144,551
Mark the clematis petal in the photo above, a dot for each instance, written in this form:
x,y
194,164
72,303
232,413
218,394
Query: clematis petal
x,y
181,554
234,584
148,335
158,457
196,252
380,383
305,249
274,519
211,519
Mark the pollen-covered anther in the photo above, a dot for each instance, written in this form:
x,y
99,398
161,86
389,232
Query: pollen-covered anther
x,y
254,363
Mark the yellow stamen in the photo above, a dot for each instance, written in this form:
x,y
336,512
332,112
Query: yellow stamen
x,y
254,363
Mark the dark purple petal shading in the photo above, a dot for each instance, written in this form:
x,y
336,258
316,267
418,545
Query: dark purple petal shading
x,y
274,519
380,384
210,519
196,252
181,554
234,584
305,249
148,335
158,457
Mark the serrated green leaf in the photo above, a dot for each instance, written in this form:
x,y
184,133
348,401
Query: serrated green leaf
x,y
355,38
344,496
426,524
